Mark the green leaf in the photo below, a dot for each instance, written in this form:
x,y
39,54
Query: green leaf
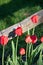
x,y
13,52
9,61
30,49
40,62
36,50
25,63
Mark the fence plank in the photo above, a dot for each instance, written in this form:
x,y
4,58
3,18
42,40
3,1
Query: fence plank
x,y
25,24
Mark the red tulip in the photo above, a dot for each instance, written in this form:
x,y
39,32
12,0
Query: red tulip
x,y
22,51
41,39
34,39
18,31
34,18
3,40
28,39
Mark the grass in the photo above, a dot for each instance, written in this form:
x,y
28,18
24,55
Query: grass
x,y
14,11
4,2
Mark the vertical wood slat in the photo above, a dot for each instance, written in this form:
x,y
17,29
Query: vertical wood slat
x,y
25,24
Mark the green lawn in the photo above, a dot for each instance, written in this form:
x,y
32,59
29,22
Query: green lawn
x,y
14,11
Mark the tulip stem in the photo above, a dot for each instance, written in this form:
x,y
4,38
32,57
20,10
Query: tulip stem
x,y
21,59
16,48
3,56
33,31
26,51
28,32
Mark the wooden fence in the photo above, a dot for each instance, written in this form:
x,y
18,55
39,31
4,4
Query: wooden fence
x,y
25,24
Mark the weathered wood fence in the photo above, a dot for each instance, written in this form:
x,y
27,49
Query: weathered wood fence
x,y
25,24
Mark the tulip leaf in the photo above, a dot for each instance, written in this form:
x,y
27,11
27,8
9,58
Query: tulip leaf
x,y
36,50
9,61
40,62
30,49
13,52
25,63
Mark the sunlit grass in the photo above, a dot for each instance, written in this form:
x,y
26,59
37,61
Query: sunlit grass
x,y
4,1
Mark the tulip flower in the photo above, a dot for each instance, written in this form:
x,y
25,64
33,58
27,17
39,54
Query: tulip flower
x,y
18,31
3,40
34,18
41,39
34,39
28,39
22,51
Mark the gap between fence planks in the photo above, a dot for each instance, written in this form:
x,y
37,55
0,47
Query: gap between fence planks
x,y
25,24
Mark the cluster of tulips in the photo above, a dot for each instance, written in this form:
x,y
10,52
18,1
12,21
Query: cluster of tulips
x,y
29,52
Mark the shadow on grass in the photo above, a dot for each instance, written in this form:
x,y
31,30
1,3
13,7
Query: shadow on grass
x,y
9,8
14,5
7,17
